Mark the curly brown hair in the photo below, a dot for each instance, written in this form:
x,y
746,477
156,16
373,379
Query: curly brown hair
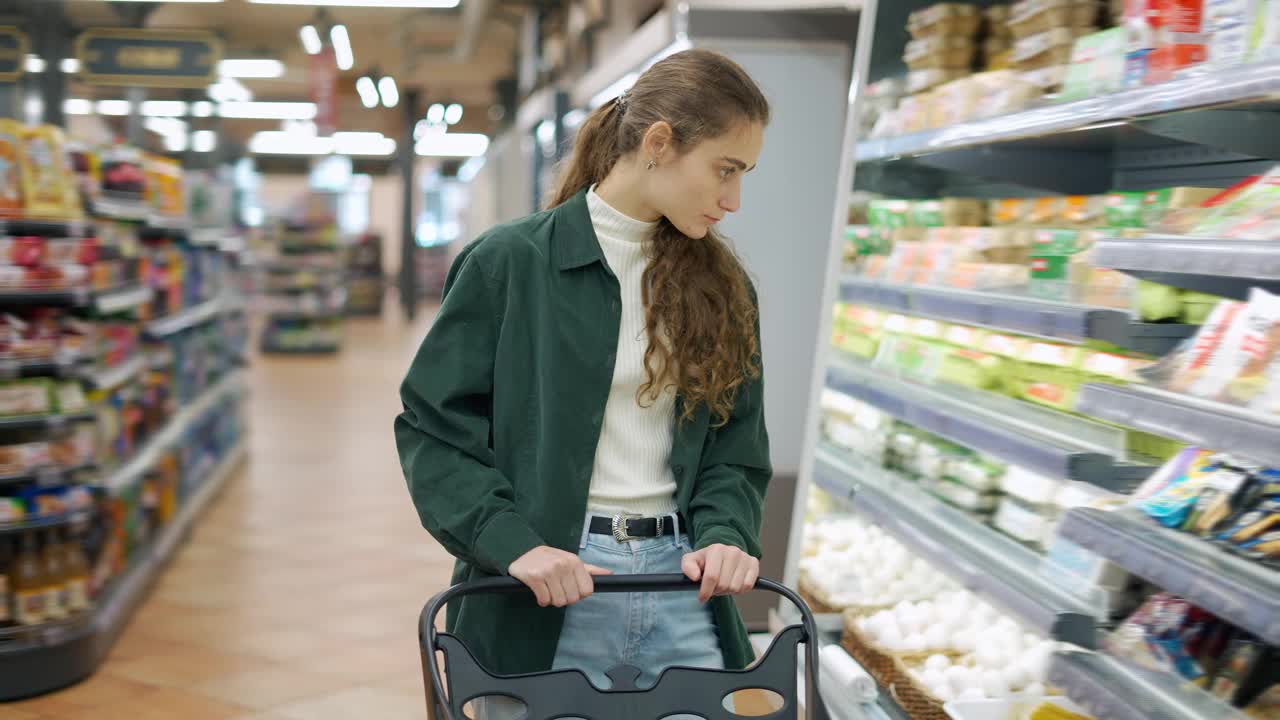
x,y
700,308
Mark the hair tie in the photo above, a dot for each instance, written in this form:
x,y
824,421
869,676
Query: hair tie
x,y
623,98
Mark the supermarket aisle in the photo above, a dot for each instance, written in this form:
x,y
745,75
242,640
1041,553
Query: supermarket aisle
x,y
298,594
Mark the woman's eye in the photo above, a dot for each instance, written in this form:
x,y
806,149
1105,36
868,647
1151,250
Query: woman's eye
x,y
725,173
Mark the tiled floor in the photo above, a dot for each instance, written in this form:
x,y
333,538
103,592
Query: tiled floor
x,y
298,594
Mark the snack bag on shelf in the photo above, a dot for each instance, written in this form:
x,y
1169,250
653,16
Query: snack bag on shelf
x,y
1172,504
48,187
1123,210
1157,635
1097,65
10,168
946,19
1238,370
1049,374
164,186
1216,500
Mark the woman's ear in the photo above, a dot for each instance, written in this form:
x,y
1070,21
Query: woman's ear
x,y
657,141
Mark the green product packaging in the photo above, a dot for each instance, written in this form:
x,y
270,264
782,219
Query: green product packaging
x,y
889,214
1050,374
927,213
971,368
1097,65
1156,203
1050,267
1124,210
1196,306
1058,242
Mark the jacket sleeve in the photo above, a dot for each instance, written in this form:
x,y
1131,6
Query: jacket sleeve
x,y
443,435
727,504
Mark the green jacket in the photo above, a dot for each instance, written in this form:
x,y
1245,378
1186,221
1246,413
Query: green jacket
x,y
502,412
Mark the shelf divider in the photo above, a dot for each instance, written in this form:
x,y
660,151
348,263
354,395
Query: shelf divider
x,y
1219,266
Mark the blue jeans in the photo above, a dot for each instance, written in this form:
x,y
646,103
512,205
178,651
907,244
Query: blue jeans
x,y
651,631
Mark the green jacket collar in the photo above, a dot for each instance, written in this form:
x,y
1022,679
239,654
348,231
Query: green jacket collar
x,y
577,245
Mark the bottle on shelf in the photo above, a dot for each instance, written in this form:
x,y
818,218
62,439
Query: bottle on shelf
x,y
76,567
6,590
28,584
54,577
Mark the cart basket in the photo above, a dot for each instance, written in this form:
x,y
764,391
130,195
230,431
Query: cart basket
x,y
568,693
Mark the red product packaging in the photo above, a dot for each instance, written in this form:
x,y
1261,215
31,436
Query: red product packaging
x,y
1180,40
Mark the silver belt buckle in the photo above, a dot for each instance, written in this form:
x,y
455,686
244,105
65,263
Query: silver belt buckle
x,y
620,527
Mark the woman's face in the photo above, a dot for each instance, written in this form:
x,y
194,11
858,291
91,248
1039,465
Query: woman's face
x,y
694,191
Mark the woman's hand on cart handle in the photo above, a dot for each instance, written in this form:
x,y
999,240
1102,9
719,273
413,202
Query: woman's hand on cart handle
x,y
556,577
722,569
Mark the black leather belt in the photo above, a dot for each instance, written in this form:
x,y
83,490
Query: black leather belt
x,y
634,527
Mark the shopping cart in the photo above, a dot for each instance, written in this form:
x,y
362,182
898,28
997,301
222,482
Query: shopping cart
x,y
568,693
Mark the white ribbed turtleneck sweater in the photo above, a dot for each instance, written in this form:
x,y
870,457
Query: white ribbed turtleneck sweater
x,y
632,471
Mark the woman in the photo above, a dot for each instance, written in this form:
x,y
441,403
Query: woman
x,y
589,398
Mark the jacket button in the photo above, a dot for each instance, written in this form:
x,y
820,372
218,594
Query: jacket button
x,y
678,470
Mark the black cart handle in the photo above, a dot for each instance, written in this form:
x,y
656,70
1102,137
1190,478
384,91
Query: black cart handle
x,y
667,582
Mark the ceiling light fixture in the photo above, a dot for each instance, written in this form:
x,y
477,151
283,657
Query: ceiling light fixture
x,y
268,110
113,107
310,39
70,66
453,114
280,142
164,108
342,53
452,145
262,68
203,141
34,63
389,92
77,106
229,89
202,108
368,92
435,114
415,4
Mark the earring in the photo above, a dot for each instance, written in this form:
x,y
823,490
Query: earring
x,y
652,164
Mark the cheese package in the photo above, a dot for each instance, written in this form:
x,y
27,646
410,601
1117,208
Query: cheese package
x,y
1031,17
47,184
939,51
10,168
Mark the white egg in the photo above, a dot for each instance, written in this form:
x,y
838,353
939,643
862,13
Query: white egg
x,y
1010,643
933,678
957,676
993,684
1031,639
1036,661
943,692
989,654
972,693
964,641
889,636
938,663
1016,675
936,637
1006,623
1035,689
914,642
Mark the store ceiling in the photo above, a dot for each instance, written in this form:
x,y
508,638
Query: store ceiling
x,y
416,46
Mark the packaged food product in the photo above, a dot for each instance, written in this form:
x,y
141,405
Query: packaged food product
x,y
1097,65
1083,210
1171,471
961,495
165,186
1171,504
1237,372
1010,211
24,458
1124,210
1180,39
1161,635
979,473
1242,658
10,168
1030,487
1046,79
1031,17
32,396
1266,24
1216,501
944,19
1249,213
71,397
1049,374
123,173
47,186
11,510
948,212
922,80
971,368
1028,523
1156,203
1046,49
1113,367
889,213
1193,364
939,51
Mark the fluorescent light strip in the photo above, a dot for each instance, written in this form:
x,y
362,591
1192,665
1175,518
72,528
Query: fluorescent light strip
x,y
342,53
387,89
428,4
164,108
77,106
70,66
114,107
368,92
280,142
34,64
310,39
268,110
264,68
202,108
435,114
453,114
452,145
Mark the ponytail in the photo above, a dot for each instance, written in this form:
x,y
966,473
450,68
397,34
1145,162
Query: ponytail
x,y
595,151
